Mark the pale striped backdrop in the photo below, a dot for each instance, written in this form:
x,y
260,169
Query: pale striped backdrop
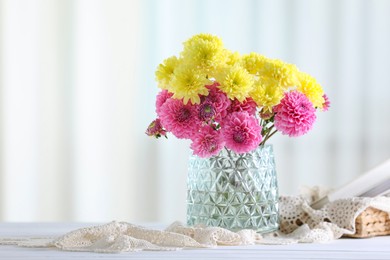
x,y
77,91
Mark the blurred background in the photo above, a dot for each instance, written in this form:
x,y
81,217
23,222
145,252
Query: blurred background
x,y
77,92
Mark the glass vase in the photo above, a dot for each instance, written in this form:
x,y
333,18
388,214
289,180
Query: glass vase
x,y
234,191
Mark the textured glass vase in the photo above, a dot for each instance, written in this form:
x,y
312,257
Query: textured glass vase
x,y
234,191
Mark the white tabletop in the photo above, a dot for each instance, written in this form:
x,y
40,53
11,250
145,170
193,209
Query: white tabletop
x,y
372,248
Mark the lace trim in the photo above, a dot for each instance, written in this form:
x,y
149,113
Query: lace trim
x,y
299,223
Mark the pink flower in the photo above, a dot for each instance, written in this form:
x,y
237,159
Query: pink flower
x,y
156,129
207,142
248,105
218,99
206,111
179,119
326,104
295,115
241,132
161,98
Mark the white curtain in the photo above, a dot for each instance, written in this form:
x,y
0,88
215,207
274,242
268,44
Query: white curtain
x,y
77,91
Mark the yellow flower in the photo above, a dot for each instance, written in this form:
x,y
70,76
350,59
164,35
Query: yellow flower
x,y
203,37
312,89
267,93
188,84
232,57
236,82
253,62
165,70
284,73
204,51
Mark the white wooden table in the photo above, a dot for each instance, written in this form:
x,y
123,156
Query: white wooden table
x,y
373,248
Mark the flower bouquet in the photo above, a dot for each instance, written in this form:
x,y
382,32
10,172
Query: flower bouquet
x,y
229,105
218,98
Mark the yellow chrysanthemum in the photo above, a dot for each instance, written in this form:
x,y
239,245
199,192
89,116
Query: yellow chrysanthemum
x,y
204,51
236,82
312,89
164,72
284,73
253,62
232,57
188,84
203,37
267,93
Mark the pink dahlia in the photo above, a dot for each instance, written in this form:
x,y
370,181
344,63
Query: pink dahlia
x,y
241,132
295,115
218,99
161,98
206,111
207,142
179,119
248,105
156,129
326,104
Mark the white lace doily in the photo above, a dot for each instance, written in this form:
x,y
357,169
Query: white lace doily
x,y
299,223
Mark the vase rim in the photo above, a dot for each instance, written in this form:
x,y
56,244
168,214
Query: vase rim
x,y
260,147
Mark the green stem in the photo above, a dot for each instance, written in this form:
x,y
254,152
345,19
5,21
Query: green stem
x,y
265,131
268,136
